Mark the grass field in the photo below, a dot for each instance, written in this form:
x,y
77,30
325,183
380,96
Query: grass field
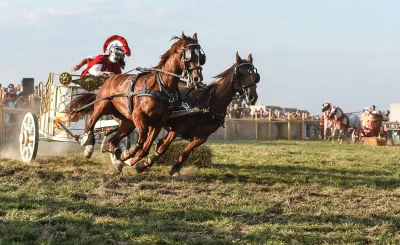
x,y
272,192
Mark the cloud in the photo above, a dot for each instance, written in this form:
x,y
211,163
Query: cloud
x,y
92,12
30,15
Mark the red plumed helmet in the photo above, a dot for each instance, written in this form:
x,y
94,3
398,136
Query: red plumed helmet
x,y
119,41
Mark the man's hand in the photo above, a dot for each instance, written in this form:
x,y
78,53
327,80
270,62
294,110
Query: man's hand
x,y
107,73
75,68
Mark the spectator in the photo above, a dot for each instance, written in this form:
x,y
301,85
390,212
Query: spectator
x,y
18,91
235,114
9,101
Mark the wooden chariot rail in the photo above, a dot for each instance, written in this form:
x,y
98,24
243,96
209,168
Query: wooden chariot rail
x,y
4,110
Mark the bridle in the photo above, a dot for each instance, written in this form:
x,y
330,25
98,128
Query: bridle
x,y
186,55
243,88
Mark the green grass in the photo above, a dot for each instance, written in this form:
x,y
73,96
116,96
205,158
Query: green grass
x,y
280,192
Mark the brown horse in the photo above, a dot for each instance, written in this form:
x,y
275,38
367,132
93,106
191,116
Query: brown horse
x,y
143,101
241,78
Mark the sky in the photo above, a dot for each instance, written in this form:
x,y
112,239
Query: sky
x,y
307,52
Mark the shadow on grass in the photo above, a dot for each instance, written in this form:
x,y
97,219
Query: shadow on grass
x,y
270,174
156,226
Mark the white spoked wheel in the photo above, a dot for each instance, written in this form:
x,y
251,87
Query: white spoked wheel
x,y
354,136
29,137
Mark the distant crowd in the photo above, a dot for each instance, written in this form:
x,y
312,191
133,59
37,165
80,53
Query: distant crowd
x,y
238,110
12,96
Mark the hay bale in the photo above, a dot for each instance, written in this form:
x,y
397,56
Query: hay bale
x,y
374,141
200,157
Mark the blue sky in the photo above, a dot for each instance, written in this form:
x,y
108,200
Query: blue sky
x,y
306,51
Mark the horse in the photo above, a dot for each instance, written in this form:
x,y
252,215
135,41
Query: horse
x,y
242,77
141,101
342,121
328,124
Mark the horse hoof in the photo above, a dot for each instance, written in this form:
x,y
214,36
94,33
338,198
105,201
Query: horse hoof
x,y
117,153
140,167
118,165
175,169
89,149
125,155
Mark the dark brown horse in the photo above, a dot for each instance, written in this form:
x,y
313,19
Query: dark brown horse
x,y
144,101
241,78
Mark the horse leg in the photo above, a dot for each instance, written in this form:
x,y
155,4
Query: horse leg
x,y
160,149
341,135
125,128
185,154
153,132
333,135
88,139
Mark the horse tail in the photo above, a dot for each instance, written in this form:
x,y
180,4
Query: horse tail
x,y
78,102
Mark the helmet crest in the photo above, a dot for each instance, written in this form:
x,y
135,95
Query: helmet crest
x,y
118,44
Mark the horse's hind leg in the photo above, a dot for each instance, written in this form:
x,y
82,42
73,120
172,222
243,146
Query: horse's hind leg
x,y
88,139
196,142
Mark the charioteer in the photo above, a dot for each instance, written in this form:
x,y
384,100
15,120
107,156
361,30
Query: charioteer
x,y
105,65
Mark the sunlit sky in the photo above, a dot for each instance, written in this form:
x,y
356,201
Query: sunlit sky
x,y
307,52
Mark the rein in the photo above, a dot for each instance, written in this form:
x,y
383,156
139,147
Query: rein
x,y
130,93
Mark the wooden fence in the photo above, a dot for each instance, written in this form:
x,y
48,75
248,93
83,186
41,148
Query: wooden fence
x,y
268,129
244,129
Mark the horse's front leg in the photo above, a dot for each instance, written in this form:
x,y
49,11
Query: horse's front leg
x,y
340,136
153,131
161,148
186,153
333,134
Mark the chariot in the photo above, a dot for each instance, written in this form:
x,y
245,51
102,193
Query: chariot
x,y
371,126
51,124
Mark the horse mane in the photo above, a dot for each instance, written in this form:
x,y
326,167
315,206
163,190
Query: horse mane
x,y
172,50
223,74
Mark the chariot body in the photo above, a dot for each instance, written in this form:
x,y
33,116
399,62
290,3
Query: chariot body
x,y
51,124
371,126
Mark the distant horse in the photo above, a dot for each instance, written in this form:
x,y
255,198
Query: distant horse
x,y
242,78
328,124
143,101
342,122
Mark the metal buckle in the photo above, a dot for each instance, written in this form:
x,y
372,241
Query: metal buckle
x,y
185,106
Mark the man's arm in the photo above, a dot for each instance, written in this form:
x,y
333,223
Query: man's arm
x,y
79,66
96,71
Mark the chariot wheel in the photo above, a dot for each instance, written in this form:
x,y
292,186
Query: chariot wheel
x,y
383,135
354,136
29,137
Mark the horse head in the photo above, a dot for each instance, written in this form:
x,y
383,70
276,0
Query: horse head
x,y
191,57
326,106
245,79
335,112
